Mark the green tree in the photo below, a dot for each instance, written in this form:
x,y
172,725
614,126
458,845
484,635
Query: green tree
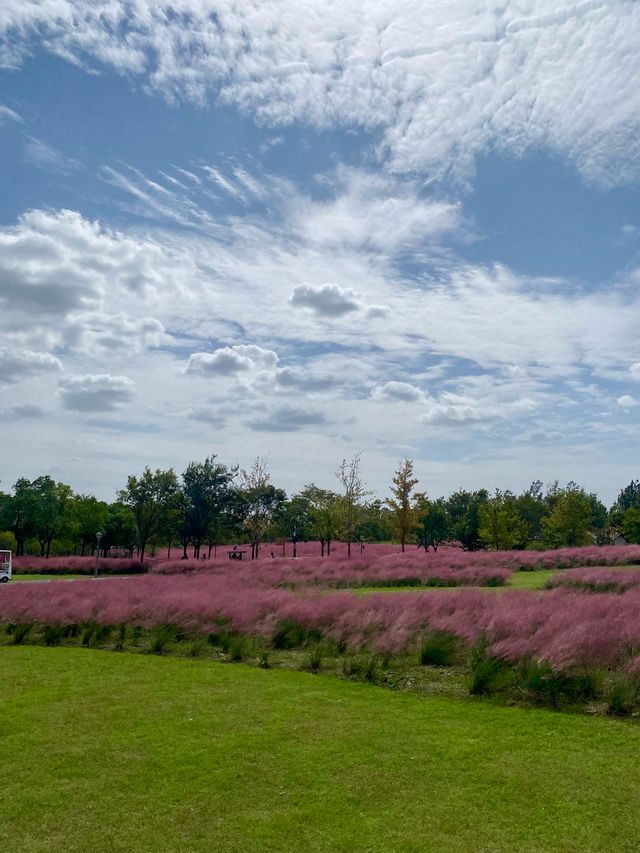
x,y
569,522
205,485
375,523
260,500
631,524
325,515
433,525
463,509
403,508
501,526
348,474
532,508
88,515
149,497
19,512
294,520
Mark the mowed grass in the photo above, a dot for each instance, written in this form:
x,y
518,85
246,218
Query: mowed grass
x,y
518,580
115,752
16,578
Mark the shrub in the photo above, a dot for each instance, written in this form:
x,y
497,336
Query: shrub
x,y
438,649
289,634
485,669
159,637
237,648
52,635
621,695
19,632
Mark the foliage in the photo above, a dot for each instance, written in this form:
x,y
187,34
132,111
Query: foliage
x,y
149,497
350,505
403,508
501,526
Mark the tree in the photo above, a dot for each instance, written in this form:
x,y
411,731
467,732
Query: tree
x,y
631,524
463,509
120,528
433,525
325,515
294,520
628,498
501,526
149,498
205,485
403,509
375,522
531,507
260,500
569,522
19,513
88,516
348,473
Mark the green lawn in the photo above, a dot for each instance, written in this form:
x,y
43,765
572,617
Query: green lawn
x,y
518,580
39,577
101,751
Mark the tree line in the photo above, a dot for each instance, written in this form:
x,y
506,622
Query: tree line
x,y
212,504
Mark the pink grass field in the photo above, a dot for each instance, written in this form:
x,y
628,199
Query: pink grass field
x,y
597,579
572,630
373,563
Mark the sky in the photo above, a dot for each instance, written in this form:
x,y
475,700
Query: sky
x,y
303,229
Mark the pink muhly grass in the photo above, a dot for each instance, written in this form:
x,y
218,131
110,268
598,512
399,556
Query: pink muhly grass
x,y
597,579
76,565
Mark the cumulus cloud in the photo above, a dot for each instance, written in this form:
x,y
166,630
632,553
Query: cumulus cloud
x,y
398,392
287,419
626,401
292,379
457,409
327,300
95,393
231,361
18,366
55,263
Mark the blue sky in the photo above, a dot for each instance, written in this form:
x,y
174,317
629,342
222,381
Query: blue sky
x,y
295,231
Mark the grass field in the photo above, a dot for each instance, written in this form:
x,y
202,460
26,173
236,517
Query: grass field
x,y
117,752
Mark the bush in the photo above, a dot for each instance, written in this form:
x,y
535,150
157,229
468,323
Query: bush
x,y
621,695
438,649
486,670
19,632
159,637
289,634
52,635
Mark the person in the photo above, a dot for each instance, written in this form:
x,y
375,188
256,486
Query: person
x,y
273,556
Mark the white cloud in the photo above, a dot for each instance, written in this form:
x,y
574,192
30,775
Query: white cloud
x,y
231,361
95,393
457,409
327,300
18,366
626,401
7,114
402,392
441,82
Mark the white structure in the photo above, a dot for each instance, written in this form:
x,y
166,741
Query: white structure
x,y
5,566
